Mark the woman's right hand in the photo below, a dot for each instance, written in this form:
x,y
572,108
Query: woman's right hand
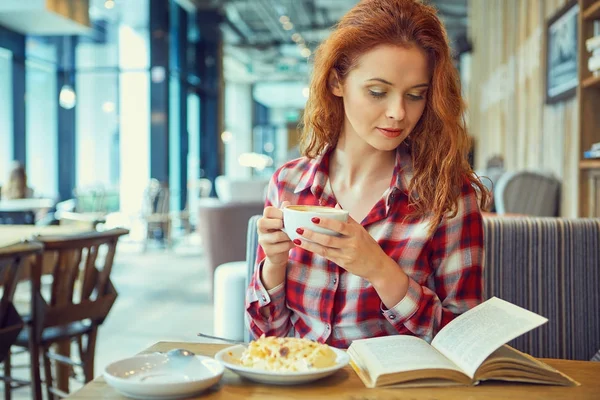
x,y
275,243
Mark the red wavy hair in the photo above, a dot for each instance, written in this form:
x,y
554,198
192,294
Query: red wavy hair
x,y
439,143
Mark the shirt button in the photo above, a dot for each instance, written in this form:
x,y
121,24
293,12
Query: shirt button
x,y
327,327
264,298
334,281
392,316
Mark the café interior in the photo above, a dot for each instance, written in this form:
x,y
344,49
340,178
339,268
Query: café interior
x,y
145,132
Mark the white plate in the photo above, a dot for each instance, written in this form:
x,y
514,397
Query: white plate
x,y
230,358
158,376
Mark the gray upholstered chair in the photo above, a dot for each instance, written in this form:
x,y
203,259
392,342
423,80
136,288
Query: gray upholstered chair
x,y
527,192
222,227
550,266
230,282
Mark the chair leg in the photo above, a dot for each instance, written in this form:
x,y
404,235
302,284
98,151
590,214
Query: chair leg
x,y
62,371
7,374
47,373
88,356
34,359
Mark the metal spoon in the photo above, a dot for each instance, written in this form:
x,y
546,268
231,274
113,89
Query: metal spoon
x,y
180,353
221,339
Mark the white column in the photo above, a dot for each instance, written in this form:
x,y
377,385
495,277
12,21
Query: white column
x,y
238,121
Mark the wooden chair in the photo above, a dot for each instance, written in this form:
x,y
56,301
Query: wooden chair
x,y
80,298
12,262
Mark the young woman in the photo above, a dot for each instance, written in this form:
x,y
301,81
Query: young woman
x,y
16,187
384,139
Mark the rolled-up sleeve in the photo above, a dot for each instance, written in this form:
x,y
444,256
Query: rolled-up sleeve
x,y
457,258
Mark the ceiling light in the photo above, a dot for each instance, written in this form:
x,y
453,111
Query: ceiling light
x,y
288,26
284,19
226,136
67,97
305,52
296,37
305,92
109,4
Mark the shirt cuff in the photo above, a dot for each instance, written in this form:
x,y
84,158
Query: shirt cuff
x,y
406,307
266,297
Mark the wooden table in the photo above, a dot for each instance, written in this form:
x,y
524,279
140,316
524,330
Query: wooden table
x,y
35,204
13,234
345,384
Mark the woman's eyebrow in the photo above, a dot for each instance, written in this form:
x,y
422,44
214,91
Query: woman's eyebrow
x,y
420,85
380,80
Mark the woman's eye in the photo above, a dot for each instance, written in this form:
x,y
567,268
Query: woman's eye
x,y
376,94
416,97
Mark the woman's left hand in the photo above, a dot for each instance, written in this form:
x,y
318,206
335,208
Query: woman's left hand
x,y
356,251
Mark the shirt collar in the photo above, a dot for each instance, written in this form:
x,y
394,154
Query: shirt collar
x,y
316,174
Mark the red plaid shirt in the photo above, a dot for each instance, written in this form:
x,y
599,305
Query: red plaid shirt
x,y
321,301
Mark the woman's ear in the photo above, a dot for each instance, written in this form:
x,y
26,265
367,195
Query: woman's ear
x,y
335,85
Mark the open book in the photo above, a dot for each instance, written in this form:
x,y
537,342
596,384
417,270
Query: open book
x,y
470,349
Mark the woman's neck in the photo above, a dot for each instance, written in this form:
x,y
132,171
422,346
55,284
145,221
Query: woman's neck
x,y
355,162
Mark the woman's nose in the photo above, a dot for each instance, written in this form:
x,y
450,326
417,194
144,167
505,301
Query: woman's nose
x,y
396,111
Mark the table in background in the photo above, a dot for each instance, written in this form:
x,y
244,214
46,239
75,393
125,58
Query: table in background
x,y
23,211
12,234
345,384
25,205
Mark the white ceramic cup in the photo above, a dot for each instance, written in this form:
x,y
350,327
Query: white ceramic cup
x,y
299,216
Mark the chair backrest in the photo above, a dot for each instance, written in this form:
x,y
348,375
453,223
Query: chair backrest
x,y
223,227
156,198
550,266
205,187
81,287
229,189
13,260
251,253
527,192
90,199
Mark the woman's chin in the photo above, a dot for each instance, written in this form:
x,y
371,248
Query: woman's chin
x,y
386,144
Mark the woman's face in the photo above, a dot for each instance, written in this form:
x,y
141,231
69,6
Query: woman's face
x,y
384,95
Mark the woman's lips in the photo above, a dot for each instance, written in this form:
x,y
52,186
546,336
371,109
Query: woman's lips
x,y
391,133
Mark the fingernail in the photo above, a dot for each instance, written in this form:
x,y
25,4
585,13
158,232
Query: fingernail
x,y
297,242
316,220
300,231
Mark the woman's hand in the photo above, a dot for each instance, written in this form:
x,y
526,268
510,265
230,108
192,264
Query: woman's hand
x,y
274,242
356,251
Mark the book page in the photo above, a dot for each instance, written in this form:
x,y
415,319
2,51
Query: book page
x,y
399,353
473,336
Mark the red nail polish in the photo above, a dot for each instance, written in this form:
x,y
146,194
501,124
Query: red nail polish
x,y
316,220
300,231
297,242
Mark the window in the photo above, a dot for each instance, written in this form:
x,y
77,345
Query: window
x,y
6,114
41,124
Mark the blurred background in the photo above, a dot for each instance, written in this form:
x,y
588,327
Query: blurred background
x,y
121,91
